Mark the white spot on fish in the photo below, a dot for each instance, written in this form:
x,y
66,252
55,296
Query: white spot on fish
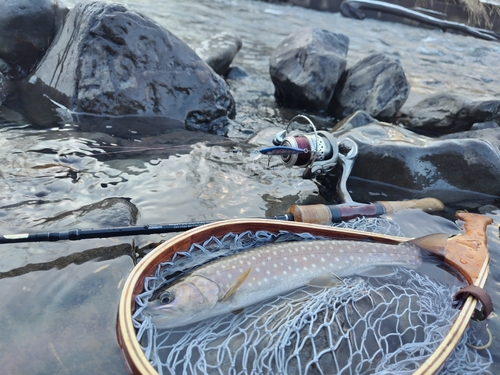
x,y
249,284
229,275
295,260
266,279
337,259
241,261
314,266
254,258
302,247
351,257
304,258
257,269
289,267
259,283
268,272
275,277
322,259
275,265
284,272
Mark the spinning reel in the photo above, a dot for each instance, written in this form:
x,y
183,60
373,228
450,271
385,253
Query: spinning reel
x,y
317,152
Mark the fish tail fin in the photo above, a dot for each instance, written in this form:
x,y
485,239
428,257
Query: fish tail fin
x,y
432,243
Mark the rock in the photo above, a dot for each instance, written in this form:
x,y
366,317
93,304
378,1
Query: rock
x,y
446,113
423,166
306,66
3,88
376,84
26,30
109,60
108,213
357,119
219,51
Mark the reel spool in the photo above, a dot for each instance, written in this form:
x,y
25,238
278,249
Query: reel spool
x,y
320,149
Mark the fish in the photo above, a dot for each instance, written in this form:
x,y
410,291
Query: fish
x,y
232,283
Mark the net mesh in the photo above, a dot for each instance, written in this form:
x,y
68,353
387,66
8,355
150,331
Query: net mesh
x,y
361,326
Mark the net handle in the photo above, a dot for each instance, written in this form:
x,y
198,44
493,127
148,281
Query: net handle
x,y
468,253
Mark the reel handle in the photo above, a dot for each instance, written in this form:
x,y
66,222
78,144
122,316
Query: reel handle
x,y
326,214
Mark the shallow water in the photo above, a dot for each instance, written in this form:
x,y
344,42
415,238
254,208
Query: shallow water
x,y
57,310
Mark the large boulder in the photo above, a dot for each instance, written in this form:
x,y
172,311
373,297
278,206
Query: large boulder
x,y
306,66
109,60
446,113
219,51
447,169
27,28
375,84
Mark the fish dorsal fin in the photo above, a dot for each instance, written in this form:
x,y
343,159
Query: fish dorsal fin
x,y
235,286
329,280
433,243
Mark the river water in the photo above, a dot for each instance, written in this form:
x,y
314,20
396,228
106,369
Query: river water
x,y
58,302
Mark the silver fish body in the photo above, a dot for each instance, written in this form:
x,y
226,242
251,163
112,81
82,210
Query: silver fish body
x,y
252,276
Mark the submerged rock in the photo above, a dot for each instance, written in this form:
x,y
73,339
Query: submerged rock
x,y
398,157
110,212
27,28
446,113
219,51
376,84
306,66
109,60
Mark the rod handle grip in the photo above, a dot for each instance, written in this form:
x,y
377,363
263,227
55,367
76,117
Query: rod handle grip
x,y
425,204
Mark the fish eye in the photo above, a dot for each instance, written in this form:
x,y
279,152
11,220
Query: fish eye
x,y
167,297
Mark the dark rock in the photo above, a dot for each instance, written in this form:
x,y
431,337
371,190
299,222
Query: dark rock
x,y
439,168
3,88
109,60
27,28
236,73
376,84
110,212
219,51
306,66
446,113
491,135
357,119
484,125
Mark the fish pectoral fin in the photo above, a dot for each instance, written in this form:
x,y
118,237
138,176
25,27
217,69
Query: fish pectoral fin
x,y
235,286
238,311
325,281
433,243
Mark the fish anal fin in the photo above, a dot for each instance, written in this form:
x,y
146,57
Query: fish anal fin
x,y
325,281
433,243
236,285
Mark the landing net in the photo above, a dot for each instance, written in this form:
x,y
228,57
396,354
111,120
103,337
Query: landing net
x,y
362,326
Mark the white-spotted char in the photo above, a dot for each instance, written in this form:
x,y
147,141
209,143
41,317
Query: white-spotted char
x,y
252,276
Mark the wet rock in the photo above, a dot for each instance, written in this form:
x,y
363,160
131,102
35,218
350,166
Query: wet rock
x,y
355,120
109,60
3,88
439,168
108,213
446,113
219,51
306,66
236,73
26,30
376,84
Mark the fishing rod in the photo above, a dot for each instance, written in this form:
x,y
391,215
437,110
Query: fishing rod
x,y
318,214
